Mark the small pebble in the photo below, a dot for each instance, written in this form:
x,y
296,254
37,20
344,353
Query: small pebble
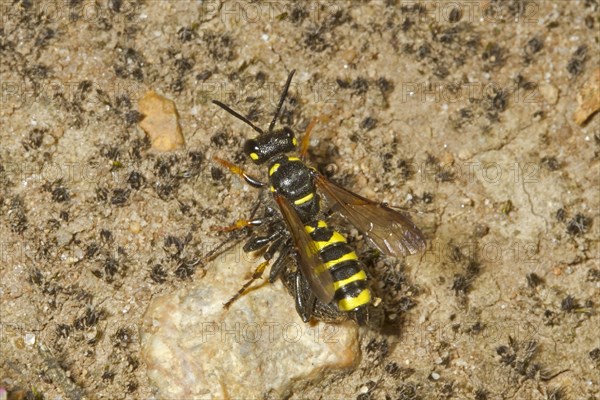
x,y
549,93
135,227
466,202
29,339
446,158
481,230
464,154
557,271
63,237
160,122
588,98
348,55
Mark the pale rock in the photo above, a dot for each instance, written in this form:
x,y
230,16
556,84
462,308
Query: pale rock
x,y
588,98
194,348
447,159
549,93
63,237
160,122
135,227
29,339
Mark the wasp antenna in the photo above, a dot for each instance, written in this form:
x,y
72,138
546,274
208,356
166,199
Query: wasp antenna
x,y
282,99
238,116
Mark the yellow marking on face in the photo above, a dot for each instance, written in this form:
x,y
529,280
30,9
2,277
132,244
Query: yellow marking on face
x,y
350,303
335,238
304,199
274,168
272,189
294,142
359,276
254,156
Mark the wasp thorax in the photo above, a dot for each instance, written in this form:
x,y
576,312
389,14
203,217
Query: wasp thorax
x,y
269,145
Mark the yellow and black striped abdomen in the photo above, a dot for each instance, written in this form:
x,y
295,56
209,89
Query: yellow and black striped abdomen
x,y
349,279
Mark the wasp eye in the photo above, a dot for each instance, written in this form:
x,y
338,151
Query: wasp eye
x,y
251,149
290,138
289,134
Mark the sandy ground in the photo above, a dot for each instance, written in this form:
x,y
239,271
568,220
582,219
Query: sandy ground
x,y
461,112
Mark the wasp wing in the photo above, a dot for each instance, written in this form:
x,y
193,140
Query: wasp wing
x,y
310,263
392,232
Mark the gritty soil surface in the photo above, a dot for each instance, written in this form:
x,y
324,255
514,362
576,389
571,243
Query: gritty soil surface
x,y
460,112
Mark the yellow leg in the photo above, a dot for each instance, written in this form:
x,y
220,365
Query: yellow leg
x,y
239,224
256,275
240,172
306,138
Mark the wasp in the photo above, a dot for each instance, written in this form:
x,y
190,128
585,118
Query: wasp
x,y
329,275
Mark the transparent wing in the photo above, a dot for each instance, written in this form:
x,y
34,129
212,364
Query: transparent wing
x,y
311,265
392,232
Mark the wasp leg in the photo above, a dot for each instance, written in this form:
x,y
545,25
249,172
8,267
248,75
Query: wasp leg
x,y
304,306
268,216
239,171
279,263
306,138
256,275
223,247
239,224
269,211
361,316
234,238
274,248
258,242
259,270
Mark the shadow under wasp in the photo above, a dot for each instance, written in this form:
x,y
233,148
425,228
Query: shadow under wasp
x,y
329,279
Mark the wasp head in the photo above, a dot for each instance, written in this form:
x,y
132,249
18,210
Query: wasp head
x,y
266,146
